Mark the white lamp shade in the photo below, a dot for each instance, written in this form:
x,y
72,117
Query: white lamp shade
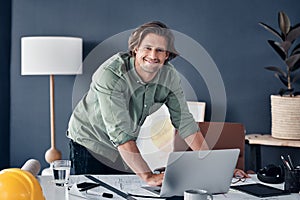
x,y
51,55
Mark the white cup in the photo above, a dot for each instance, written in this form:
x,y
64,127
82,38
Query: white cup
x,y
61,171
197,195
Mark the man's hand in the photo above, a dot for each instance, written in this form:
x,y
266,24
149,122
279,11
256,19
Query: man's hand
x,y
153,179
240,173
131,155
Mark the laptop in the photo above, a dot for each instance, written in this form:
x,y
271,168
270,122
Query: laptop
x,y
210,170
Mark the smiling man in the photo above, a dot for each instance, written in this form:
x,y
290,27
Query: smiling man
x,y
150,56
126,89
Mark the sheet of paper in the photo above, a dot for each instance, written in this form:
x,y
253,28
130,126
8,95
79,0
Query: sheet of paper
x,y
126,183
91,194
75,191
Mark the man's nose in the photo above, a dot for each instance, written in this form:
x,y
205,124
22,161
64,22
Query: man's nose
x,y
153,53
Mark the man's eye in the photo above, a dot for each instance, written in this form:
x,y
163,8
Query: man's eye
x,y
160,50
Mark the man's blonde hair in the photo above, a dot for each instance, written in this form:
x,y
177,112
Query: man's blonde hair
x,y
157,28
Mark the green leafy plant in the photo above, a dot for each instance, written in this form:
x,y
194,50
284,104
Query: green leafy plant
x,y
288,52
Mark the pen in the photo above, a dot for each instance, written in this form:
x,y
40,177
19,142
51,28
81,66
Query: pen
x,y
285,163
104,194
291,163
89,187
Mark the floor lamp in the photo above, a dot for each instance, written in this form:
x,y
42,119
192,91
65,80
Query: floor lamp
x,y
47,55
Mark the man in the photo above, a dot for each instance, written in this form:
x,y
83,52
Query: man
x,y
124,91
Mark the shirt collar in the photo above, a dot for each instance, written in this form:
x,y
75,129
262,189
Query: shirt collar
x,y
138,78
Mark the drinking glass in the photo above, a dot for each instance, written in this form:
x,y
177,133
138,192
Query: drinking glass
x,y
61,171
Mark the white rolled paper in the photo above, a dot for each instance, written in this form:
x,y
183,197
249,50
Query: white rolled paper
x,y
33,166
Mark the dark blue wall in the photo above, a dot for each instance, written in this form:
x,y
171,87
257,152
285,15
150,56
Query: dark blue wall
x,y
5,36
228,30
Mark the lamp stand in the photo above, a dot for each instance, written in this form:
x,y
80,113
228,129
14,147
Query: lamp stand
x,y
52,153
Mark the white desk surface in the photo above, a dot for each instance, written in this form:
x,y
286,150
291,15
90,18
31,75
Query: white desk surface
x,y
132,184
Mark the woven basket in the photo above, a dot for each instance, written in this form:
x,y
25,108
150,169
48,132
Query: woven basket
x,y
285,117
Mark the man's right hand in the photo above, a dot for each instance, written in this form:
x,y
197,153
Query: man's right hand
x,y
152,179
131,155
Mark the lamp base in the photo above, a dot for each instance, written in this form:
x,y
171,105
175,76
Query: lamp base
x,y
52,154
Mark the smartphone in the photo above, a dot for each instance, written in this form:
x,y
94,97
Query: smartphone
x,y
86,186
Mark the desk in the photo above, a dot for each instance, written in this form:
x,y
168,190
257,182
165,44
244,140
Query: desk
x,y
132,183
256,140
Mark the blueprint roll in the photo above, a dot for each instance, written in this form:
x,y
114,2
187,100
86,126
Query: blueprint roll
x,y
197,195
33,166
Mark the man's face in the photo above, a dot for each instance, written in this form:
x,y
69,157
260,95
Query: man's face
x,y
151,54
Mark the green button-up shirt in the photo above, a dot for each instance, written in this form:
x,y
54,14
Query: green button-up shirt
x,y
118,102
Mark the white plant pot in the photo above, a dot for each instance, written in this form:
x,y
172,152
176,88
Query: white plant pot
x,y
285,117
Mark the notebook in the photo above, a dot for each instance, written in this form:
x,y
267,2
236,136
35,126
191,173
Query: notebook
x,y
210,170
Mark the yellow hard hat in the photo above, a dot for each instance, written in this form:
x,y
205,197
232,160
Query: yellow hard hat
x,y
17,184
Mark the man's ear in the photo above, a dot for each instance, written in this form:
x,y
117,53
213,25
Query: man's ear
x,y
167,55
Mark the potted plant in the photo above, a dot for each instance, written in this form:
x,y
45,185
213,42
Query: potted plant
x,y
285,106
